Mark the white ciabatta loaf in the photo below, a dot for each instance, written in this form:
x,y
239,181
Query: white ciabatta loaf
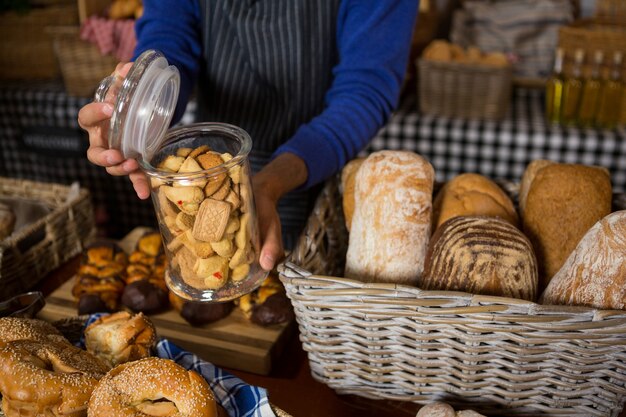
x,y
481,255
392,216
594,275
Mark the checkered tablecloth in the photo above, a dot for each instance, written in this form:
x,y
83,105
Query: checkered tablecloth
x,y
502,149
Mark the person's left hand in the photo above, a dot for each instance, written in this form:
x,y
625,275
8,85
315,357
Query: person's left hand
x,y
269,227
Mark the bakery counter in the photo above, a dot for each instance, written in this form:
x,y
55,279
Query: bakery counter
x,y
290,385
501,150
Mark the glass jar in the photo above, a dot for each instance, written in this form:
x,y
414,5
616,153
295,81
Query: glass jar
x,y
200,183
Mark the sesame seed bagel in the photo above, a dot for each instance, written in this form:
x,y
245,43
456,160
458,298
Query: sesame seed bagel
x,y
152,387
15,328
46,378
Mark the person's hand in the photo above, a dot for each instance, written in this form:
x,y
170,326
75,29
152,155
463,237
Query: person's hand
x,y
95,119
283,174
269,227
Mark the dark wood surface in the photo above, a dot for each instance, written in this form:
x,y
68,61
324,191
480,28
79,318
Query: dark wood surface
x,y
290,386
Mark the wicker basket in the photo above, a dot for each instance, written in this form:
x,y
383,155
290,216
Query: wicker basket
x,y
33,251
502,356
459,90
590,36
25,48
82,65
611,11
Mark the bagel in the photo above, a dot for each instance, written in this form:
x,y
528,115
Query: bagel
x,y
152,387
46,378
15,328
120,338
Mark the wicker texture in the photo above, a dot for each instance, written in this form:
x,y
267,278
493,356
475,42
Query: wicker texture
x,y
590,36
611,11
452,89
82,65
25,49
38,248
501,355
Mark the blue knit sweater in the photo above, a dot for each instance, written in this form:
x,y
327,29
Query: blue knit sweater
x,y
373,41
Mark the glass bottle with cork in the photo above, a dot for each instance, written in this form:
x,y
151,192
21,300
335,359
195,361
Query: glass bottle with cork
x,y
554,89
572,90
592,87
611,96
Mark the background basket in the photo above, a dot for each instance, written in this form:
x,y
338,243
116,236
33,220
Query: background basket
x,y
452,89
501,355
25,48
30,253
82,65
590,36
611,11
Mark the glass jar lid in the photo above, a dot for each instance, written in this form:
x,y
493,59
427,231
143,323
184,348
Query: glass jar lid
x,y
143,105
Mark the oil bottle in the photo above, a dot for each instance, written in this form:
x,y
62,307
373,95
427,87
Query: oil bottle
x,y
592,87
554,89
611,95
572,90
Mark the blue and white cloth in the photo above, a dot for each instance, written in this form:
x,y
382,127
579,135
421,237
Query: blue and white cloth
x,y
238,398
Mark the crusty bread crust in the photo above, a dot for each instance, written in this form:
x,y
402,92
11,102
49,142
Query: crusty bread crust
x,y
392,218
594,275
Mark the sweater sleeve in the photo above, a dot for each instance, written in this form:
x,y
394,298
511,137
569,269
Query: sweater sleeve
x,y
178,37
374,39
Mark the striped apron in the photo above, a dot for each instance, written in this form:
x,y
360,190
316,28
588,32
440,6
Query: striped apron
x,y
268,64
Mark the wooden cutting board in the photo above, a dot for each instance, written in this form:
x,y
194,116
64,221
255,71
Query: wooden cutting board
x,y
232,342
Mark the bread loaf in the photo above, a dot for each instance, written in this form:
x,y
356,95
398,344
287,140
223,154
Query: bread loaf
x,y
481,255
563,202
472,195
392,218
527,179
347,185
594,275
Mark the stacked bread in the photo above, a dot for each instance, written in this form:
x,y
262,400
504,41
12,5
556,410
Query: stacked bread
x,y
100,279
443,51
145,289
43,374
476,246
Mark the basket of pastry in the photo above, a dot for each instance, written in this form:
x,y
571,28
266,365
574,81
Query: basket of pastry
x,y
507,297
463,83
113,365
42,225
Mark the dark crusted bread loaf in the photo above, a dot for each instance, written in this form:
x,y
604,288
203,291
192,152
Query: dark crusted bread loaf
x,y
481,255
594,275
563,202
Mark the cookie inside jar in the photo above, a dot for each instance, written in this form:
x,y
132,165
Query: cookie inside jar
x,y
200,183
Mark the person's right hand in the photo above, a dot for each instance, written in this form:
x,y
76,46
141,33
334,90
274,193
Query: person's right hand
x,y
95,119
